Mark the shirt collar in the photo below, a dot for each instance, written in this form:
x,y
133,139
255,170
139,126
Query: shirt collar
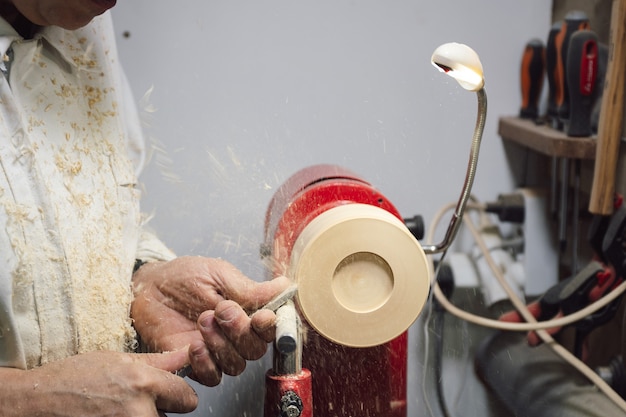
x,y
7,36
57,37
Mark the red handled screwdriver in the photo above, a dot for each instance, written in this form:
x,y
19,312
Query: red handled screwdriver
x,y
582,72
574,21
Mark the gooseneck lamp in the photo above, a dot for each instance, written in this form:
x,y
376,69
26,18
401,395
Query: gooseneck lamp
x,y
462,63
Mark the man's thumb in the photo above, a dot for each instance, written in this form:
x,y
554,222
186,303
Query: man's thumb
x,y
268,291
255,295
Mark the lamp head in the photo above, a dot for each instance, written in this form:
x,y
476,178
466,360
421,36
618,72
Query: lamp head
x,y
461,63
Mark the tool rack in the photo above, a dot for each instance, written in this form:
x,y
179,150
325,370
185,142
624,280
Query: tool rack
x,y
546,140
554,144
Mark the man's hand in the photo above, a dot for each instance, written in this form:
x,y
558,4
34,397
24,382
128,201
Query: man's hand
x,y
99,384
204,303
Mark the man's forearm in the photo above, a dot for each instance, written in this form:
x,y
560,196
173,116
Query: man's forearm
x,y
16,394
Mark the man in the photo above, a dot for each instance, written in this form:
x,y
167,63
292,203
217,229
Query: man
x,y
71,238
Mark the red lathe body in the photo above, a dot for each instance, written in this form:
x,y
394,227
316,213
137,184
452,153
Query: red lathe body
x,y
346,381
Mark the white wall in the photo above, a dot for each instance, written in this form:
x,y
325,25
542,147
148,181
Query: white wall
x,y
247,92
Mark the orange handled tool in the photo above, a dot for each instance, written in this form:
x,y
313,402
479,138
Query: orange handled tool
x,y
532,74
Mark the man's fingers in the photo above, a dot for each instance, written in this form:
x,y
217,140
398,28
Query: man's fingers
x,y
171,393
222,351
264,324
237,327
174,395
229,340
205,370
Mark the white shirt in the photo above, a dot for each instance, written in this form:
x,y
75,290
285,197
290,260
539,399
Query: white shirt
x,y
70,225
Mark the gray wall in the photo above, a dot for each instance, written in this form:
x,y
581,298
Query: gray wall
x,y
245,93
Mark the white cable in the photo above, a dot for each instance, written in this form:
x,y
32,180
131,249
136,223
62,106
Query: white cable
x,y
525,313
509,326
429,314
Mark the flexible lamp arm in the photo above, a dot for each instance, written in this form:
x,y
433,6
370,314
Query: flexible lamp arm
x,y
457,217
462,63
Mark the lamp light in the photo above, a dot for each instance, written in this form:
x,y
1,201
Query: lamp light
x,y
461,63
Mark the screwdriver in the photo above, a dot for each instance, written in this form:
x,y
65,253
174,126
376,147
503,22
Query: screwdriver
x,y
552,108
582,71
532,74
575,20
552,74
